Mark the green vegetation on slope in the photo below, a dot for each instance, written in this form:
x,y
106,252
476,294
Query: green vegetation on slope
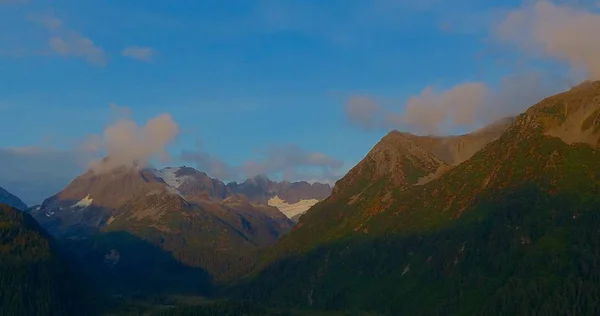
x,y
196,239
527,255
34,279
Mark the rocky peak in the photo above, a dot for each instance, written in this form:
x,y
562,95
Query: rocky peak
x,y
110,189
572,116
396,159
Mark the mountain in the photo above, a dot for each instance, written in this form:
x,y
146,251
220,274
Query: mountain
x,y
399,161
291,198
510,227
194,184
127,206
9,199
35,279
90,200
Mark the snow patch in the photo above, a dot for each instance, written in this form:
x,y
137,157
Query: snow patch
x,y
169,176
291,210
85,202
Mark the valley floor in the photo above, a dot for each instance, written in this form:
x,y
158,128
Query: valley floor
x,y
197,305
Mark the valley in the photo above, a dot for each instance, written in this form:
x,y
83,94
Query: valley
x,y
490,227
202,158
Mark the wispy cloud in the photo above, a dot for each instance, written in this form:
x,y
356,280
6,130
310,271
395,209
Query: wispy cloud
x,y
67,42
211,164
289,158
145,54
287,161
363,111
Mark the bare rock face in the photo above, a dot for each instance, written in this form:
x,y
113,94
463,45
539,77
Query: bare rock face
x,y
90,200
572,116
198,185
405,159
260,191
455,149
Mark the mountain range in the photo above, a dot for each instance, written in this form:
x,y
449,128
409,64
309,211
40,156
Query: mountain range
x,y
200,220
291,198
502,220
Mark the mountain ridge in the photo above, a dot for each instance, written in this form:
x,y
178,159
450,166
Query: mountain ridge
x,y
507,231
198,185
12,200
397,162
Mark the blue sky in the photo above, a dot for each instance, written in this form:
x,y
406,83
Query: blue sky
x,y
242,78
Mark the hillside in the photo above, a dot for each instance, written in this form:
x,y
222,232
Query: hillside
x,y
34,278
397,162
10,199
511,230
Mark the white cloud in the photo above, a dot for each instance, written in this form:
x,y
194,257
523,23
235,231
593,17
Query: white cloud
x,y
561,32
69,43
465,106
432,110
145,54
128,144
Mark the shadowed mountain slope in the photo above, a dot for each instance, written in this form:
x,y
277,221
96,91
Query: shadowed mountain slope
x,y
34,277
